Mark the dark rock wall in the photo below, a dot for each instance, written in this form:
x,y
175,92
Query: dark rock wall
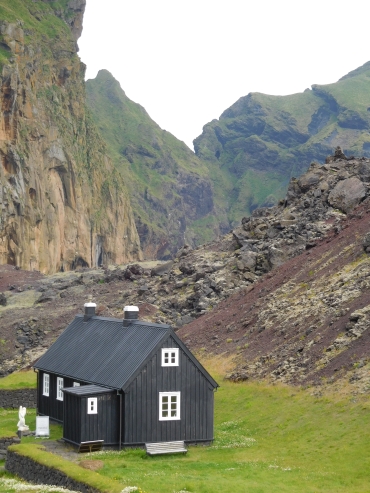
x,y
15,398
5,442
28,469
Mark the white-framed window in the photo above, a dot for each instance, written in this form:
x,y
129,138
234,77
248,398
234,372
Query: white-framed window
x,y
60,386
92,405
170,356
46,384
76,384
169,406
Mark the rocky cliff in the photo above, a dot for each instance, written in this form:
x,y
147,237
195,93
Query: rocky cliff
x,y
63,204
170,188
261,141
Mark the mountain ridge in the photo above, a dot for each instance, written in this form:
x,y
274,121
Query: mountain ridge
x,y
169,187
261,141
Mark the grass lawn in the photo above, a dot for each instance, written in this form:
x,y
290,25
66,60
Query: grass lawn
x,y
19,380
267,439
8,425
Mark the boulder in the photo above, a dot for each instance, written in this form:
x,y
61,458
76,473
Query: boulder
x,y
276,256
143,290
366,242
161,269
183,251
347,194
249,260
48,295
309,180
187,268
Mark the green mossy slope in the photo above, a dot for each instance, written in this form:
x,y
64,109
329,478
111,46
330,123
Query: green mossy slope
x,y
261,141
170,188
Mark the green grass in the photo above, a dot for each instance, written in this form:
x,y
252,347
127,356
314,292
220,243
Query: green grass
x,y
4,56
19,380
267,439
39,17
9,420
204,229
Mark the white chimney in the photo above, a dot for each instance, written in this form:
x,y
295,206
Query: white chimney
x,y
89,309
130,313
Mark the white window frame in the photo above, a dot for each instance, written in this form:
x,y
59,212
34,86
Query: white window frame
x,y
92,405
60,385
76,384
46,384
170,356
162,405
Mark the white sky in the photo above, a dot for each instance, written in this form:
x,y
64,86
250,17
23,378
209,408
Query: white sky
x,y
186,61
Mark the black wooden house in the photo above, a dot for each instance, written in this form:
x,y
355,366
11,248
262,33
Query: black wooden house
x,y
127,382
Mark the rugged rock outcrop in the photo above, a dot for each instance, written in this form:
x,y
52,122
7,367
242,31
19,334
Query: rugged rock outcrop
x,y
63,204
285,295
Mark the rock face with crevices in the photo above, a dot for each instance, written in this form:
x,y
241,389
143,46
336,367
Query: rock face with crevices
x,y
63,205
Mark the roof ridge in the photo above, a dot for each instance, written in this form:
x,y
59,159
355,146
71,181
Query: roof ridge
x,y
132,322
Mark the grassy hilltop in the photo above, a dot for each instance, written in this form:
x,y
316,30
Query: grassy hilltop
x,y
261,141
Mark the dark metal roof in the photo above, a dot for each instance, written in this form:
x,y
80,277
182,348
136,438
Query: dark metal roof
x,y
87,390
101,351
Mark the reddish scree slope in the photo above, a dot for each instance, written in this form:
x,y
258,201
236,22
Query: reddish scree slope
x,y
294,324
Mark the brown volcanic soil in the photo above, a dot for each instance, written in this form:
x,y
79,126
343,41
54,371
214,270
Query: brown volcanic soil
x,y
263,341
11,278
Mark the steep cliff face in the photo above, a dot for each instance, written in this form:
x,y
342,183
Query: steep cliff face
x,y
170,188
63,204
261,141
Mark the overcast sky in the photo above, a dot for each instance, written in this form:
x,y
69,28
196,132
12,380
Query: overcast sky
x,y
186,61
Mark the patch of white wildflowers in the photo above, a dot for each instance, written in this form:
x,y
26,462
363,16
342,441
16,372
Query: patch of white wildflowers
x,y
228,436
13,484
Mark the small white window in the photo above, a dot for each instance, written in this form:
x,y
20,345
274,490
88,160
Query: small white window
x,y
169,406
170,357
92,405
46,384
76,384
60,386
